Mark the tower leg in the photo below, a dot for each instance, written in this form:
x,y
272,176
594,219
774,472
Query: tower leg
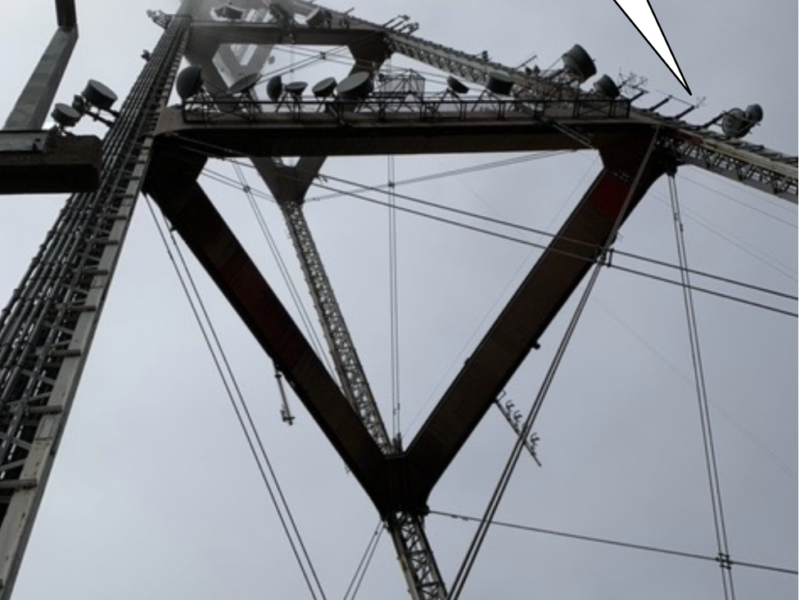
x,y
47,328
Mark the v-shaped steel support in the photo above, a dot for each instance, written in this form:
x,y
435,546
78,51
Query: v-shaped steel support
x,y
403,481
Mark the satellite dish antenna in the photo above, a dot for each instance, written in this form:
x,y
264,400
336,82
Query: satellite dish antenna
x,y
189,82
65,116
324,88
737,123
275,88
455,86
99,95
606,87
356,86
578,63
244,85
755,113
295,89
499,83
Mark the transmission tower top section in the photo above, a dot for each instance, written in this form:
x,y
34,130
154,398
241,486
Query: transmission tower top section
x,y
235,40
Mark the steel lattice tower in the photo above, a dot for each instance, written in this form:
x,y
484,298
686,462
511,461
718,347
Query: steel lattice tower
x,y
46,330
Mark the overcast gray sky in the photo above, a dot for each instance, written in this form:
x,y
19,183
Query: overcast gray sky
x,y
154,493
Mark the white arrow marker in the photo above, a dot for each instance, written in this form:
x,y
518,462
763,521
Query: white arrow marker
x,y
641,14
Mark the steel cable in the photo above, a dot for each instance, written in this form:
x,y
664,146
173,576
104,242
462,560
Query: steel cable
x,y
613,253
702,400
243,415
617,543
494,503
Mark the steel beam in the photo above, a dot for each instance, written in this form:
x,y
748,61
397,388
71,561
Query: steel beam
x,y
172,184
370,133
33,104
46,330
527,315
65,13
41,162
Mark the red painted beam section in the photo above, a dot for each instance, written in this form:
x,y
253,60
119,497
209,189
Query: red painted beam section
x,y
527,315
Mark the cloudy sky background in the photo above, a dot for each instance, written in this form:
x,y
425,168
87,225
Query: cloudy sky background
x,y
154,493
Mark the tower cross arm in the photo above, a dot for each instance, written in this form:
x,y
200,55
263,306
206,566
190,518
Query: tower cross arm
x,y
753,165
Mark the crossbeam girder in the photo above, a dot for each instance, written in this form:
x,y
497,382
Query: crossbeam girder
x,y
367,133
42,162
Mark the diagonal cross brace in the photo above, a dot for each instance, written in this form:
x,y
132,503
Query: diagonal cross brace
x,y
537,301
172,183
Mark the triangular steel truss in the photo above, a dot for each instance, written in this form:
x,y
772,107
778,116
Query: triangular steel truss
x,y
46,331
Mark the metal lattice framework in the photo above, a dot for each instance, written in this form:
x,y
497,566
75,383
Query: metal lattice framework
x,y
753,165
46,330
289,185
